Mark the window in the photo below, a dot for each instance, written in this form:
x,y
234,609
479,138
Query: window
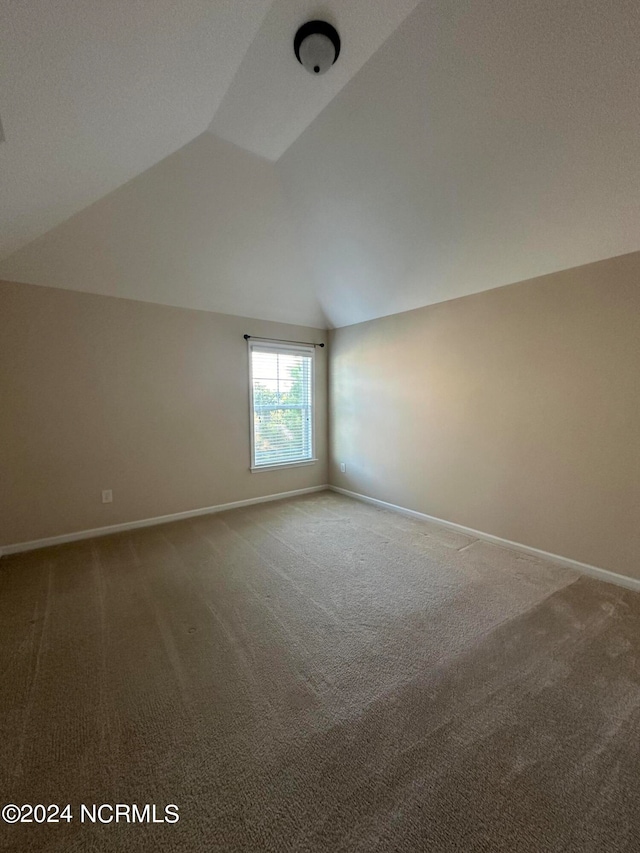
x,y
281,404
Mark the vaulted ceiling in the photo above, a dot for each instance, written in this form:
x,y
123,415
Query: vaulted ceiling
x,y
178,153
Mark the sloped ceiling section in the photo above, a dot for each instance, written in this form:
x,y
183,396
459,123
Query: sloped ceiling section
x,y
485,143
93,93
206,228
482,144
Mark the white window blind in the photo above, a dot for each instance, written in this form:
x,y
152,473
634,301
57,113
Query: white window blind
x,y
281,404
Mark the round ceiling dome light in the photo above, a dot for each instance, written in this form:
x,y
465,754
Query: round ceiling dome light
x,y
316,46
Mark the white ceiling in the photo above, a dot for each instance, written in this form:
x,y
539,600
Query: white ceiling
x,y
206,228
272,99
485,143
93,93
481,144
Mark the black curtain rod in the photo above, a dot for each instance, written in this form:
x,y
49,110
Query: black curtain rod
x,y
278,341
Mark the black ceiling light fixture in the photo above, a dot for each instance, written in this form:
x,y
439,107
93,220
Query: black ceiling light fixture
x,y
316,46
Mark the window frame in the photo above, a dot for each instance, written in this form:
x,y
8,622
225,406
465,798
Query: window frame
x,y
292,349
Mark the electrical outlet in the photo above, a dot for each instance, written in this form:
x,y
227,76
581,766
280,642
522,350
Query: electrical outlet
x,y
107,496
343,467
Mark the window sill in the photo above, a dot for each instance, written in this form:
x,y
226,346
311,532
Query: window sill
x,y
256,469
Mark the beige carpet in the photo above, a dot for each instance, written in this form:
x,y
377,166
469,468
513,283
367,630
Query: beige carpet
x,y
318,675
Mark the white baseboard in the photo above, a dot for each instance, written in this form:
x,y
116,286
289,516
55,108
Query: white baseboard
x,y
585,568
149,522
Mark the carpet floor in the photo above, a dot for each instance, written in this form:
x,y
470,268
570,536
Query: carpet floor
x,y
317,675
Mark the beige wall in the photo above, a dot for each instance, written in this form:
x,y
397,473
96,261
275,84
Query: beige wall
x,y
515,412
150,401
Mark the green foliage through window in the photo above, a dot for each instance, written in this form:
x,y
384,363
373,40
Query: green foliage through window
x,y
282,406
